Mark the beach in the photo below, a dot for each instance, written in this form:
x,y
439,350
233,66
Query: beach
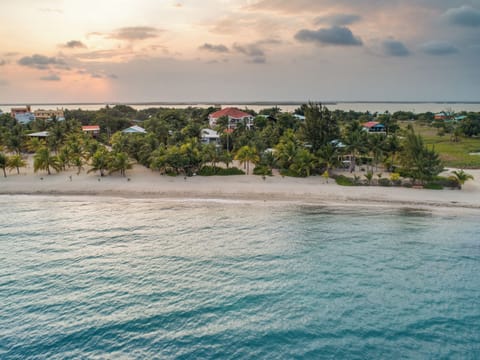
x,y
141,182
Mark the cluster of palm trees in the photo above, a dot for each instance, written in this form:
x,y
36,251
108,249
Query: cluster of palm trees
x,y
12,162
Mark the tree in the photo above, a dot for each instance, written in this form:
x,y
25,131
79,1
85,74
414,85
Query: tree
x,y
356,140
3,163
120,162
462,177
44,160
303,163
328,156
419,162
100,161
15,162
319,127
246,155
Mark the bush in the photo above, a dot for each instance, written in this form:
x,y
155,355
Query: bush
x,y
433,186
217,171
262,170
384,182
344,181
290,173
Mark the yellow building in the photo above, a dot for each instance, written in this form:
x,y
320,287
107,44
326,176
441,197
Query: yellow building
x,y
41,114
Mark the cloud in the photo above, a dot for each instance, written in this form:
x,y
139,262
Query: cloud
x,y
463,16
51,77
438,48
214,48
112,76
42,62
395,48
335,35
96,76
3,82
3,62
73,44
255,53
134,33
338,19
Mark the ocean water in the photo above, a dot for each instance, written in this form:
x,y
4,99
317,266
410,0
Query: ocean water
x,y
380,107
111,278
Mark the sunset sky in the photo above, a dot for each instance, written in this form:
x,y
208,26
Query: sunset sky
x,y
239,50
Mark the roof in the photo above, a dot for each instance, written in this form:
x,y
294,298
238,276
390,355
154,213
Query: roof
x,y
135,129
91,128
210,133
371,124
39,134
230,112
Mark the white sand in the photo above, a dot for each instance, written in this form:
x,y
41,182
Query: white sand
x,y
143,183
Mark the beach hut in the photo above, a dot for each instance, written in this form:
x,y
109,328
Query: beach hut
x,y
373,127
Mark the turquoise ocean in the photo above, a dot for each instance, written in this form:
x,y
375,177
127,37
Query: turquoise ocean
x,y
114,278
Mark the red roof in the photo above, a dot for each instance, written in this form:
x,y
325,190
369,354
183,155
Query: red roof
x,y
91,128
370,124
231,112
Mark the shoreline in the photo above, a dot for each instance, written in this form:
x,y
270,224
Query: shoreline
x,y
142,183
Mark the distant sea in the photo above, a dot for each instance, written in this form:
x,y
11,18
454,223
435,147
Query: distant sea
x,y
112,278
380,107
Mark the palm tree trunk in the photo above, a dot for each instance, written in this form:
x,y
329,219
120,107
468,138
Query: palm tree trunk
x,y
4,173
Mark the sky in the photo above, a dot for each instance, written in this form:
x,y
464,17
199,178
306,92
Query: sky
x,y
239,50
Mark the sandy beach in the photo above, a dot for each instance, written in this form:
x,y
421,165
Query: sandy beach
x,y
141,182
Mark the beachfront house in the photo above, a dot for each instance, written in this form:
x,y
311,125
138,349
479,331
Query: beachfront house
x,y
234,115
93,130
49,114
135,129
23,115
373,127
209,136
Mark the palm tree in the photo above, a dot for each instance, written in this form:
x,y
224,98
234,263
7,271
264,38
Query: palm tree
x,y
15,162
303,163
247,154
120,162
100,161
356,140
462,177
3,163
44,160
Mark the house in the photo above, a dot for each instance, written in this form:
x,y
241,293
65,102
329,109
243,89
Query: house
x,y
234,115
93,130
20,110
440,116
373,127
49,114
23,115
299,117
135,129
209,136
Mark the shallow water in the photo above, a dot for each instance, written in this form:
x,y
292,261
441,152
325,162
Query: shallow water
x,y
124,278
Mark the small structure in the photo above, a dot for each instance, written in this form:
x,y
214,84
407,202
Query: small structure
x,y
135,129
373,127
234,115
209,136
93,130
20,110
41,134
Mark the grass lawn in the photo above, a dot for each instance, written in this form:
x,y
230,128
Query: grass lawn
x,y
453,154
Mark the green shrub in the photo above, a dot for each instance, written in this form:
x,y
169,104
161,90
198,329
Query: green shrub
x,y
384,182
262,170
433,186
344,181
290,173
217,171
